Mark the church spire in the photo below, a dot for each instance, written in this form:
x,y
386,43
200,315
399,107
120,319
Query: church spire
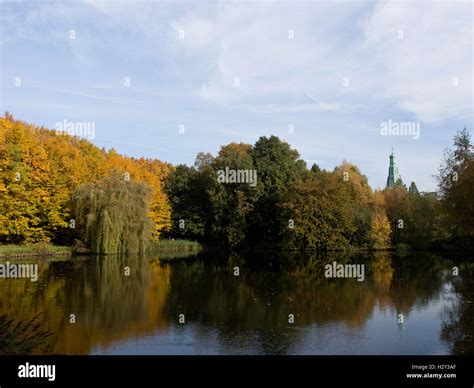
x,y
393,175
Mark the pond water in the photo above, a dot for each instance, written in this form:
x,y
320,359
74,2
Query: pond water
x,y
278,304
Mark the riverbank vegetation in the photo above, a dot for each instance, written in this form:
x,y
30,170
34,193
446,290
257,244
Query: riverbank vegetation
x,y
40,249
175,246
56,189
293,207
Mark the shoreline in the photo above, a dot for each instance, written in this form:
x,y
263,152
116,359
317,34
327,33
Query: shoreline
x,y
12,251
180,247
17,251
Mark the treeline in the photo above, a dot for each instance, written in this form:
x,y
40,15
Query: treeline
x,y
55,187
290,206
293,207
41,173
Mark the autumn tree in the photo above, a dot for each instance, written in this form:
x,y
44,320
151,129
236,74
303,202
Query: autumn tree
x,y
380,228
360,196
30,209
396,207
39,171
316,212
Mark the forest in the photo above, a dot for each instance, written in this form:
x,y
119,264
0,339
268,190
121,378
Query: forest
x,y
60,189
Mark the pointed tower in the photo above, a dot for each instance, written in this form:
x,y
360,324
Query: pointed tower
x,y
393,175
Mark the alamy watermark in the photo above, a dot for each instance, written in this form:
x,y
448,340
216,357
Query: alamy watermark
x,y
28,370
84,129
12,270
336,270
400,128
237,176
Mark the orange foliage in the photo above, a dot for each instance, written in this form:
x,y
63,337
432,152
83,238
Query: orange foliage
x,y
40,169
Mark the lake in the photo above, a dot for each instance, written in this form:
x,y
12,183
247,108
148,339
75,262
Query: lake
x,y
257,303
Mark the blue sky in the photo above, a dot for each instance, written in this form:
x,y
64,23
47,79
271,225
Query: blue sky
x,y
334,72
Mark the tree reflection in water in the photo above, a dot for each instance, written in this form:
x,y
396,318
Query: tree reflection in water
x,y
458,327
243,313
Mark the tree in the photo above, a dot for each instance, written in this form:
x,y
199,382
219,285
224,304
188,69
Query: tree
x,y
30,209
203,160
380,228
316,213
413,190
112,215
153,173
39,171
315,168
456,185
191,209
422,226
380,231
278,166
360,196
232,203
396,207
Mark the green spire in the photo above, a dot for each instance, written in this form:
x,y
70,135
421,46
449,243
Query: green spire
x,y
393,175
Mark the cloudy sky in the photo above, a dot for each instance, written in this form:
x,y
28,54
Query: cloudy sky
x,y
323,76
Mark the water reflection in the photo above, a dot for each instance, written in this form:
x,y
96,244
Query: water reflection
x,y
132,305
458,326
107,305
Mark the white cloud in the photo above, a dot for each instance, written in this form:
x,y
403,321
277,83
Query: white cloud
x,y
252,42
423,46
115,7
195,33
296,108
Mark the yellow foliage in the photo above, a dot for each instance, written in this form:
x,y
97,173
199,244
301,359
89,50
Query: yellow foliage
x,y
40,169
380,231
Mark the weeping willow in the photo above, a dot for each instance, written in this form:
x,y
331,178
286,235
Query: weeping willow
x,y
112,215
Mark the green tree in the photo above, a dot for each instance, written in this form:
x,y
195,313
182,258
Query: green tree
x,y
203,160
422,222
278,166
112,215
187,189
232,203
456,185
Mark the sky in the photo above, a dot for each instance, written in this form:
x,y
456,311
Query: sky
x,y
165,80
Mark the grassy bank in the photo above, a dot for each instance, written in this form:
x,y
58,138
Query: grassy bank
x,y
175,246
168,250
12,250
163,248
